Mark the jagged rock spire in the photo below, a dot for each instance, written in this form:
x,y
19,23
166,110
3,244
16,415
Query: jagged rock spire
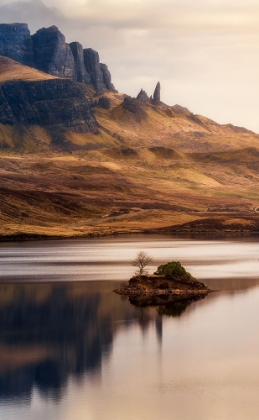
x,y
156,95
143,96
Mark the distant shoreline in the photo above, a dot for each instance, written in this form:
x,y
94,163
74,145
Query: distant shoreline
x,y
29,237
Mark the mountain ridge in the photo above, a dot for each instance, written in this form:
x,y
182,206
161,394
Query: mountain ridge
x,y
48,51
77,159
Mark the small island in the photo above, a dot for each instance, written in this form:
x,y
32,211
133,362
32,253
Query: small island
x,y
171,283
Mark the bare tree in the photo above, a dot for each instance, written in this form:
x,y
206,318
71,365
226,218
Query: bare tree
x,y
141,261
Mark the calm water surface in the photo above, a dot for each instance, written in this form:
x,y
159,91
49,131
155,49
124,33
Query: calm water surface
x,y
71,349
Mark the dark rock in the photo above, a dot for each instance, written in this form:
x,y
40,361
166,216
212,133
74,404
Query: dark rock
x,y
57,104
51,53
16,43
104,102
94,103
47,51
161,282
107,77
99,73
80,71
132,105
143,96
6,113
156,95
92,65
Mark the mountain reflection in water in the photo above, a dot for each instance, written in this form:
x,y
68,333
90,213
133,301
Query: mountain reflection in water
x,y
67,345
51,331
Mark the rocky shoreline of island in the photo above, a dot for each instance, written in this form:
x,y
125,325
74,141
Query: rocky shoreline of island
x,y
149,290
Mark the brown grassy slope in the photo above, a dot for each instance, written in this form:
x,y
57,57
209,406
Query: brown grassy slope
x,y
173,127
157,167
12,70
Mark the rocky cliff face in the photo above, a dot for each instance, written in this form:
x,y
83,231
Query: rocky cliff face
x,y
107,79
99,73
81,74
48,51
92,65
51,53
59,105
16,43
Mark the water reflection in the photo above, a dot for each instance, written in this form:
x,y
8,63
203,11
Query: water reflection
x,y
49,332
174,309
64,347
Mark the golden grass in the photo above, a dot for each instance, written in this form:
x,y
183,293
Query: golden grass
x,y
181,132
167,169
12,70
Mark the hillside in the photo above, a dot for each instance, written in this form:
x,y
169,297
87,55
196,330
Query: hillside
x,y
12,70
134,175
80,161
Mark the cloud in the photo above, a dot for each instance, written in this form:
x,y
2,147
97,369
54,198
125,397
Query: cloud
x,y
36,13
180,16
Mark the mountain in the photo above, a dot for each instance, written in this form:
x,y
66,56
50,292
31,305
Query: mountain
x,y
79,158
48,51
29,99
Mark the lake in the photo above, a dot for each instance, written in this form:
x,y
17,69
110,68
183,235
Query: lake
x,y
71,349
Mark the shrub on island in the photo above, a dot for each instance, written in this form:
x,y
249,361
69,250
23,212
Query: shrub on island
x,y
173,269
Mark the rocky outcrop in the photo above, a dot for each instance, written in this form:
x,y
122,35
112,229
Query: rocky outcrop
x,y
156,290
6,112
107,79
99,73
16,43
143,96
92,65
80,70
154,99
48,51
104,102
134,107
156,95
56,104
51,53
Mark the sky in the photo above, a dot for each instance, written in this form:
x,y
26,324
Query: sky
x,y
205,53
